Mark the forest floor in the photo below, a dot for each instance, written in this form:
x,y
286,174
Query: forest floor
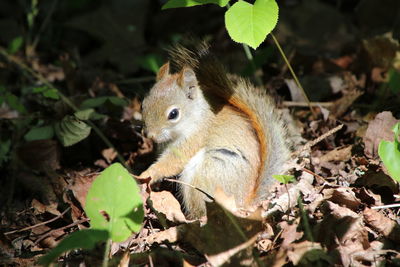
x,y
338,211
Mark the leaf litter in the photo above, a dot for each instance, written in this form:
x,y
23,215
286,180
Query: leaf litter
x,y
335,214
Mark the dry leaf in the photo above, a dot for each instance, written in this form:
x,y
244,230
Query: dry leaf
x,y
338,154
165,203
378,129
343,196
382,224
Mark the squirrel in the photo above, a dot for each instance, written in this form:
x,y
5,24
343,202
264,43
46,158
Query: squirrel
x,y
216,130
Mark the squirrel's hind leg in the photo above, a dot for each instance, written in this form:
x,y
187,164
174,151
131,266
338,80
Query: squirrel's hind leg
x,y
210,168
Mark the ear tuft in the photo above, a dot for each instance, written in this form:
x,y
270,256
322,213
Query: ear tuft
x,y
163,71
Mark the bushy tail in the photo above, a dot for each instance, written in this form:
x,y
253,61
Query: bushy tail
x,y
252,101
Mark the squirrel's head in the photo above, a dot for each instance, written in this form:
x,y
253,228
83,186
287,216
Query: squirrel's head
x,y
174,107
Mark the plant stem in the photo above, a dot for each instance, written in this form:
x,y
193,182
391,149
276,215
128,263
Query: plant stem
x,y
296,80
64,98
306,224
106,253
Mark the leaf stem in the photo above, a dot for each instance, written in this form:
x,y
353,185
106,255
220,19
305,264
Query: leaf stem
x,y
296,80
106,253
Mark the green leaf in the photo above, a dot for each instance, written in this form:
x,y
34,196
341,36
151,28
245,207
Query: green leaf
x,y
250,24
99,101
71,130
84,114
118,101
86,239
151,62
394,81
389,152
15,45
284,179
40,133
113,203
14,103
47,92
190,3
4,149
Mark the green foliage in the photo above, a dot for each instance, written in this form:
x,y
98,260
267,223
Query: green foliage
x,y
114,203
14,102
71,129
190,3
390,154
151,62
4,150
284,179
246,23
47,92
394,81
15,45
115,209
86,239
99,101
40,133
250,24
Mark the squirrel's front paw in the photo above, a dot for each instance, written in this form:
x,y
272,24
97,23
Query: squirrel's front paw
x,y
149,173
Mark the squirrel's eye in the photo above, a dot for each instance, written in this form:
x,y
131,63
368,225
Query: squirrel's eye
x,y
173,114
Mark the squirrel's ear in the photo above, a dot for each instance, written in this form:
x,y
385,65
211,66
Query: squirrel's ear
x,y
187,78
164,70
188,81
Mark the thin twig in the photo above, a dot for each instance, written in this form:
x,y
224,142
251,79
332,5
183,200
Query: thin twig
x,y
60,229
316,175
39,224
317,140
44,24
304,104
293,73
192,186
386,206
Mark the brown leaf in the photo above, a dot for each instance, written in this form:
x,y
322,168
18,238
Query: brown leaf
x,y
165,203
347,232
290,233
341,105
338,154
378,129
80,186
382,224
343,196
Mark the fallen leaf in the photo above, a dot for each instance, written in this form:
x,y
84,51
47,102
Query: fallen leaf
x,y
165,203
338,154
378,129
343,196
382,224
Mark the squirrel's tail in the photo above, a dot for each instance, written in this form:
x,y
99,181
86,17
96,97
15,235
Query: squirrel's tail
x,y
252,101
270,130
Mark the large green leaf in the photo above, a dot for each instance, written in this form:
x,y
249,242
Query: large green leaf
x,y
113,203
250,24
390,154
86,239
190,3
